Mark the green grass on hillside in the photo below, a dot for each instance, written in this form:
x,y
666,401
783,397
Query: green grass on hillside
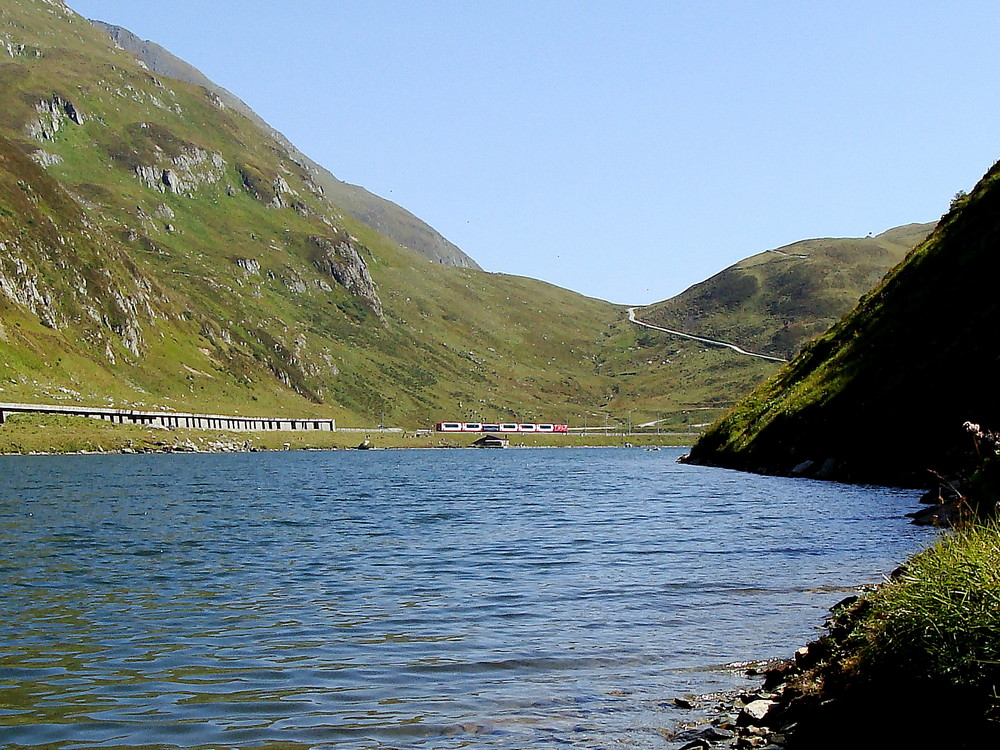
x,y
882,396
926,640
775,301
939,620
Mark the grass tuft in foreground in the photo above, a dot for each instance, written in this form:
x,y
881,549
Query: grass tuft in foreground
x,y
914,663
939,620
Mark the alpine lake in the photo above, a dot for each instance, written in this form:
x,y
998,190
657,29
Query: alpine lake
x,y
534,598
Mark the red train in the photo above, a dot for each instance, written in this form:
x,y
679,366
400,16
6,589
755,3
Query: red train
x,y
500,427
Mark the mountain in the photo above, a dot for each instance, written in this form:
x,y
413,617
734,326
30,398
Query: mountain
x,y
159,248
162,247
883,396
380,214
775,301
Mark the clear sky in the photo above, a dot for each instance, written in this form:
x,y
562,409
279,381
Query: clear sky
x,y
625,150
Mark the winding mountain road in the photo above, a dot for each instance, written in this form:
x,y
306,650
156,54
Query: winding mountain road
x,y
712,342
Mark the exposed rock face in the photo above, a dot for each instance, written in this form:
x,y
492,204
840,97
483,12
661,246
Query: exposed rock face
x,y
88,297
45,159
20,50
339,257
53,114
249,265
270,189
20,285
64,271
184,173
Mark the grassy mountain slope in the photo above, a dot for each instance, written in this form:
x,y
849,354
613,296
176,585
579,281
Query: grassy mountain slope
x,y
772,303
265,294
161,248
382,215
188,262
883,395
775,301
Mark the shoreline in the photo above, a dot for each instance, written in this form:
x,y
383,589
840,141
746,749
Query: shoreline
x,y
743,719
173,450
45,434
904,663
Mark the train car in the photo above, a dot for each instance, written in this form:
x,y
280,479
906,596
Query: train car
x,y
522,427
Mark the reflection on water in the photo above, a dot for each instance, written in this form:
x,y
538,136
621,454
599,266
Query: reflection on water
x,y
405,598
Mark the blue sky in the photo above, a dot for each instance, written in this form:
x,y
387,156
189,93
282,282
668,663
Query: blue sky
x,y
625,150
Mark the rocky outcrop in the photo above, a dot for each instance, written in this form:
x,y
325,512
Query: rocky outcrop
x,y
20,285
64,271
54,113
271,189
89,298
251,266
20,50
339,257
183,173
45,159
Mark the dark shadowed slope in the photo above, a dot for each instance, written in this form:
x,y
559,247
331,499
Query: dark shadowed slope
x,y
883,395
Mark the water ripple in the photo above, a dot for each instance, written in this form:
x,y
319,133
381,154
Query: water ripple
x,y
399,599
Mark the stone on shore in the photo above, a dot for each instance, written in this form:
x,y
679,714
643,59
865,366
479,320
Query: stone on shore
x,y
755,713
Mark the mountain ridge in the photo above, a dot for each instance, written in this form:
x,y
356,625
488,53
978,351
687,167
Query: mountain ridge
x,y
161,250
379,213
267,295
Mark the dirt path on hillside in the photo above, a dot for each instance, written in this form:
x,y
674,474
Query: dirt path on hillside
x,y
702,339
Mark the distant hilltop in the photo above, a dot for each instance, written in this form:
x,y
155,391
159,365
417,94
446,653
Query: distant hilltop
x,y
775,301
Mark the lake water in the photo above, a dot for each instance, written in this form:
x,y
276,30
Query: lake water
x,y
397,599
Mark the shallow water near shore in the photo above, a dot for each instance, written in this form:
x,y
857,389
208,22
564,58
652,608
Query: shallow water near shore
x,y
395,599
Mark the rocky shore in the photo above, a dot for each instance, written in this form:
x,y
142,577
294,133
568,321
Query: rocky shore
x,y
764,718
819,700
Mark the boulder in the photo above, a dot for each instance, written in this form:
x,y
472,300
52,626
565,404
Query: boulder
x,y
803,468
755,713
